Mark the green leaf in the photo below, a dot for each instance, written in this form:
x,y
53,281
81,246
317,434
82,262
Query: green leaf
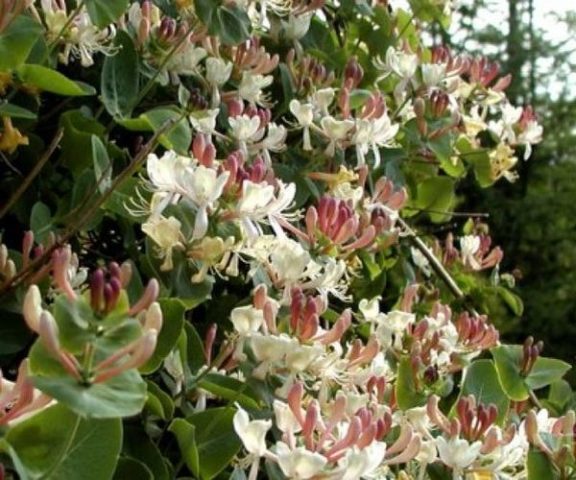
x,y
58,444
231,23
102,165
78,130
230,389
546,371
52,81
104,12
207,440
159,402
194,352
138,446
121,396
178,137
173,321
14,111
120,78
436,194
507,359
538,466
130,468
482,381
40,221
17,40
406,394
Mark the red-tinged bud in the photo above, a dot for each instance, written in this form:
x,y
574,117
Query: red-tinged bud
x,y
435,414
310,420
339,328
419,106
209,156
296,307
27,245
309,327
235,107
311,221
353,73
490,442
148,297
404,438
60,264
48,332
409,453
198,145
347,230
344,102
209,342
260,296
294,401
270,312
367,436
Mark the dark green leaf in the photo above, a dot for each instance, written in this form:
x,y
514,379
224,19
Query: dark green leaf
x,y
14,111
130,468
507,360
230,389
120,78
102,165
104,12
539,466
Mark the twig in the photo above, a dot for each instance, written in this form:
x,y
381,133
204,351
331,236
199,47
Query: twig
x,y
434,263
33,174
452,214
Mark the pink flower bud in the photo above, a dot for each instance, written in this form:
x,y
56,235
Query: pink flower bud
x,y
150,295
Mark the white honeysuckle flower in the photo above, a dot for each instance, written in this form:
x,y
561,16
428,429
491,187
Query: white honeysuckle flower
x,y
259,202
304,113
358,463
428,452
271,348
433,74
185,61
345,191
300,357
532,134
251,85
290,260
322,99
392,326
251,432
475,122
218,71
370,309
245,128
203,186
286,421
297,25
373,133
299,463
167,234
165,172
401,63
247,319
421,261
275,141
469,245
135,16
32,307
457,453
204,121
335,130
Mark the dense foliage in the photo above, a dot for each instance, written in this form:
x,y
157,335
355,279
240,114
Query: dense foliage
x,y
229,248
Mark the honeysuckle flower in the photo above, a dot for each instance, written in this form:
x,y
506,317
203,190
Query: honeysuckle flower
x,y
358,463
322,99
299,463
245,128
402,64
82,39
203,186
275,141
259,201
204,121
167,234
286,421
336,131
251,432
469,245
165,172
421,261
457,453
373,133
251,85
297,25
32,307
10,137
185,61
304,113
218,71
433,74
502,160
247,320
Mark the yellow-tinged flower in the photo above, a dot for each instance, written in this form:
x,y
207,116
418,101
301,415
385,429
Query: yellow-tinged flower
x,y
5,81
11,138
